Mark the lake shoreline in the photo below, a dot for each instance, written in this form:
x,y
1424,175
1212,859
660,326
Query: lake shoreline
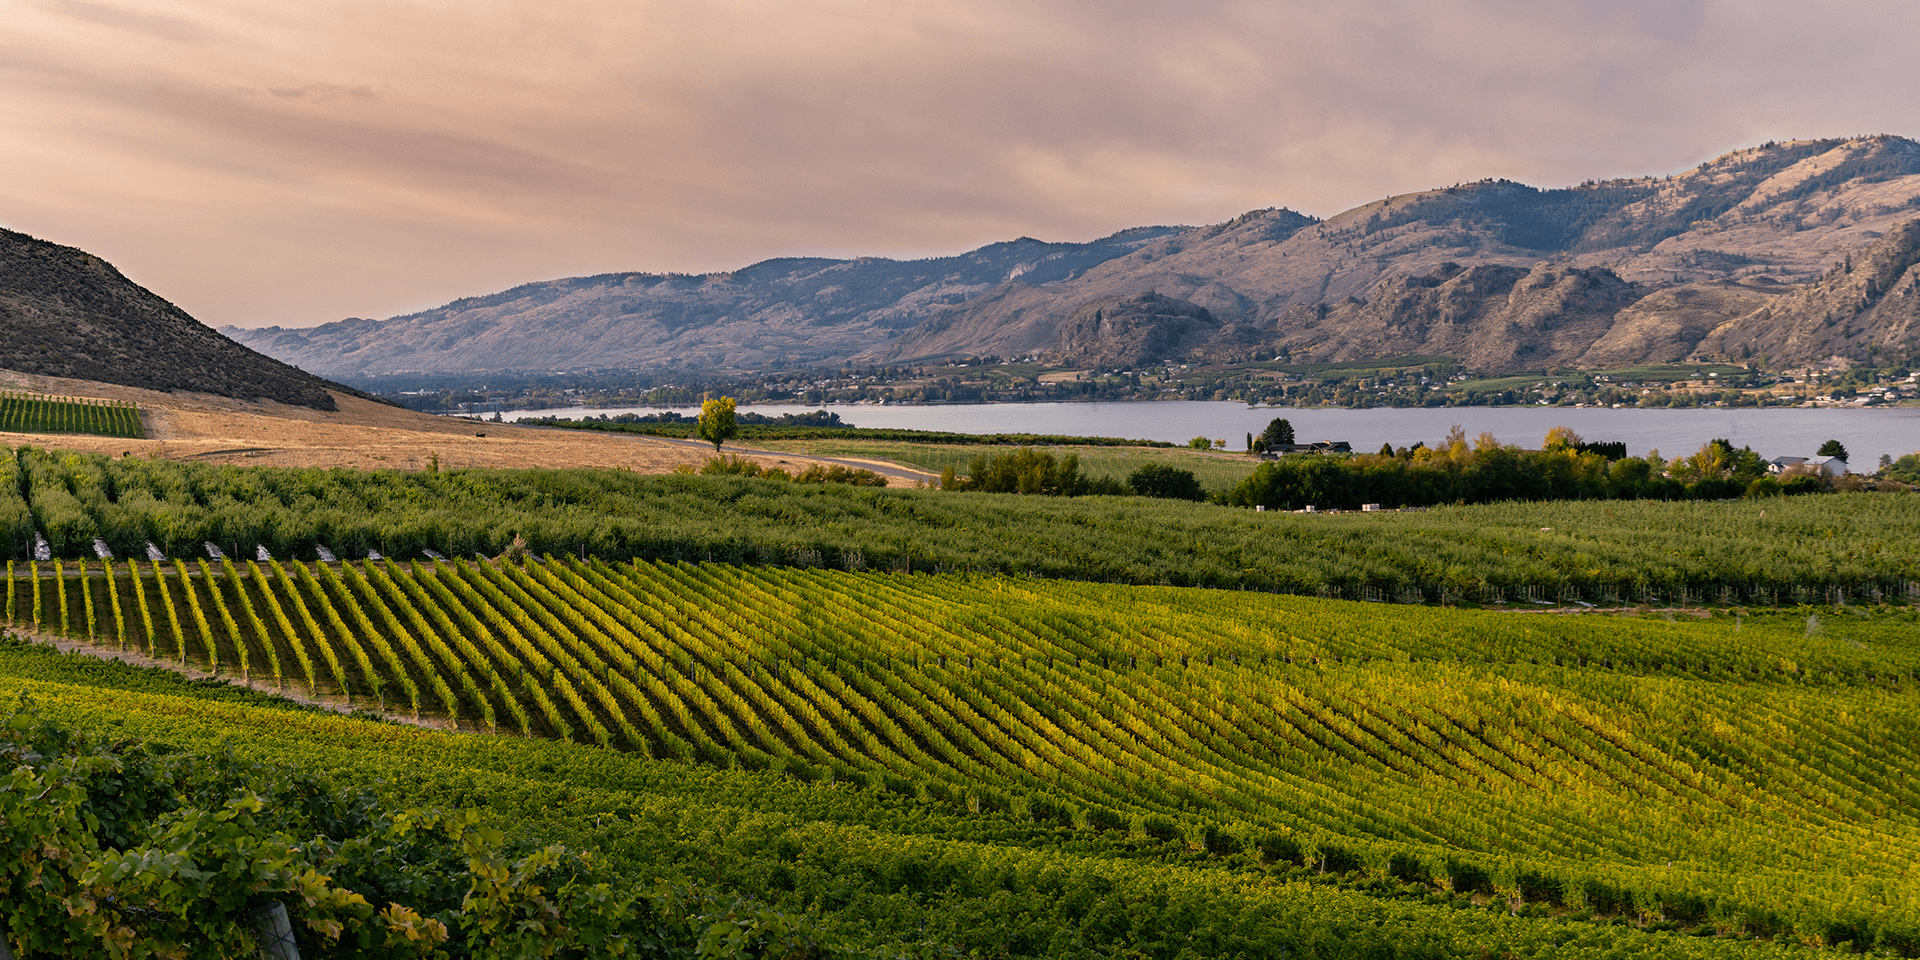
x,y
1867,432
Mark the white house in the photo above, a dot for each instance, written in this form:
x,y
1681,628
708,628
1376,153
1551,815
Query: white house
x,y
1828,466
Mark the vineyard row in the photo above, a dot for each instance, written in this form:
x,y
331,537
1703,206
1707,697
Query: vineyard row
x,y
38,413
848,856
1572,760
1836,549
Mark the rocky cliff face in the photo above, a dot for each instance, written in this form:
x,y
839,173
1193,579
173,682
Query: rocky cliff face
x,y
1129,331
1606,273
1503,275
1492,316
1667,325
1868,303
67,313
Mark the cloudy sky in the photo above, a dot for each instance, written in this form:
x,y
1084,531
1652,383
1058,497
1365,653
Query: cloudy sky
x,y
264,162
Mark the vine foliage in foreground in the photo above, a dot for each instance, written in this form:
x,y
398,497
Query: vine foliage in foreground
x,y
115,849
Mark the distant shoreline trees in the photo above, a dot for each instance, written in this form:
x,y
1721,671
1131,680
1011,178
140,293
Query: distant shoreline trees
x,y
1568,468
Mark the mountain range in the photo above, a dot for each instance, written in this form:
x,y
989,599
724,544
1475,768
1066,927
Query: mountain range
x,y
1791,251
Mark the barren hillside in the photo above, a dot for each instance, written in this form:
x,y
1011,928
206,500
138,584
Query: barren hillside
x,y
1619,271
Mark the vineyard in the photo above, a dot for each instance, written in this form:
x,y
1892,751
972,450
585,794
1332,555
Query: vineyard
x,y
36,413
1735,777
1831,549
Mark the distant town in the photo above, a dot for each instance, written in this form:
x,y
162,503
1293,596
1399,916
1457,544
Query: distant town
x,y
1397,382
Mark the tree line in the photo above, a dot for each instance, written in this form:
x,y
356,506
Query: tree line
x,y
1484,470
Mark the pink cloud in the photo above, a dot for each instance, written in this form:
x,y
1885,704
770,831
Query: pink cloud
x,y
333,158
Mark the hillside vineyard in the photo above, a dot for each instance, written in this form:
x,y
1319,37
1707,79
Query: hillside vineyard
x,y
1749,775
34,413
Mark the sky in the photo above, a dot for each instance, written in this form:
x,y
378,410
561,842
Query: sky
x,y
262,162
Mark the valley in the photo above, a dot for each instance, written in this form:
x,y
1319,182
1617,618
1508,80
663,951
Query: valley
x,y
286,661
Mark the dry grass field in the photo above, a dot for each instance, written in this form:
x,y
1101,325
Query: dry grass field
x,y
362,435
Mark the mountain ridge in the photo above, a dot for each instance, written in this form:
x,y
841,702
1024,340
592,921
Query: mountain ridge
x,y
1618,271
67,313
743,316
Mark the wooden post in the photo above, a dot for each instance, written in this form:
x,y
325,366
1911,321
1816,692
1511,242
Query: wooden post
x,y
275,932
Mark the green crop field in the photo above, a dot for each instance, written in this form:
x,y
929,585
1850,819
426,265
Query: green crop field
x,y
1216,472
34,413
1829,548
1219,772
1409,362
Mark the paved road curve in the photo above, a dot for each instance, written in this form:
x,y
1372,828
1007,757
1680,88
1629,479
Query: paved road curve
x,y
884,469
896,471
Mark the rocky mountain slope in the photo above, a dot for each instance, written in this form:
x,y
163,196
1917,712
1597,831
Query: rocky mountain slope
x,y
67,313
1603,273
1744,255
791,310
1493,316
1867,304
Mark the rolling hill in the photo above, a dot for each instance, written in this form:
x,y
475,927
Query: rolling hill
x,y
67,313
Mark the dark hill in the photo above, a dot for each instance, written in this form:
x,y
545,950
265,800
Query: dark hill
x,y
67,313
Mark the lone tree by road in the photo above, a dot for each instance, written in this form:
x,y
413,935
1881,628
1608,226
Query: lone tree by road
x,y
717,424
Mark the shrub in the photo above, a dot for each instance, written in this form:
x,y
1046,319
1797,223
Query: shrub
x,y
731,466
1027,470
1160,480
834,473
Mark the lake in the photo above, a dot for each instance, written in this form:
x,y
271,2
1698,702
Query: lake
x,y
1772,431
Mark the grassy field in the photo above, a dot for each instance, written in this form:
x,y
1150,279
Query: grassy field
x,y
1216,471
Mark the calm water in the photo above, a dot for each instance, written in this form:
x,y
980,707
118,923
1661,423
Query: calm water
x,y
1772,432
